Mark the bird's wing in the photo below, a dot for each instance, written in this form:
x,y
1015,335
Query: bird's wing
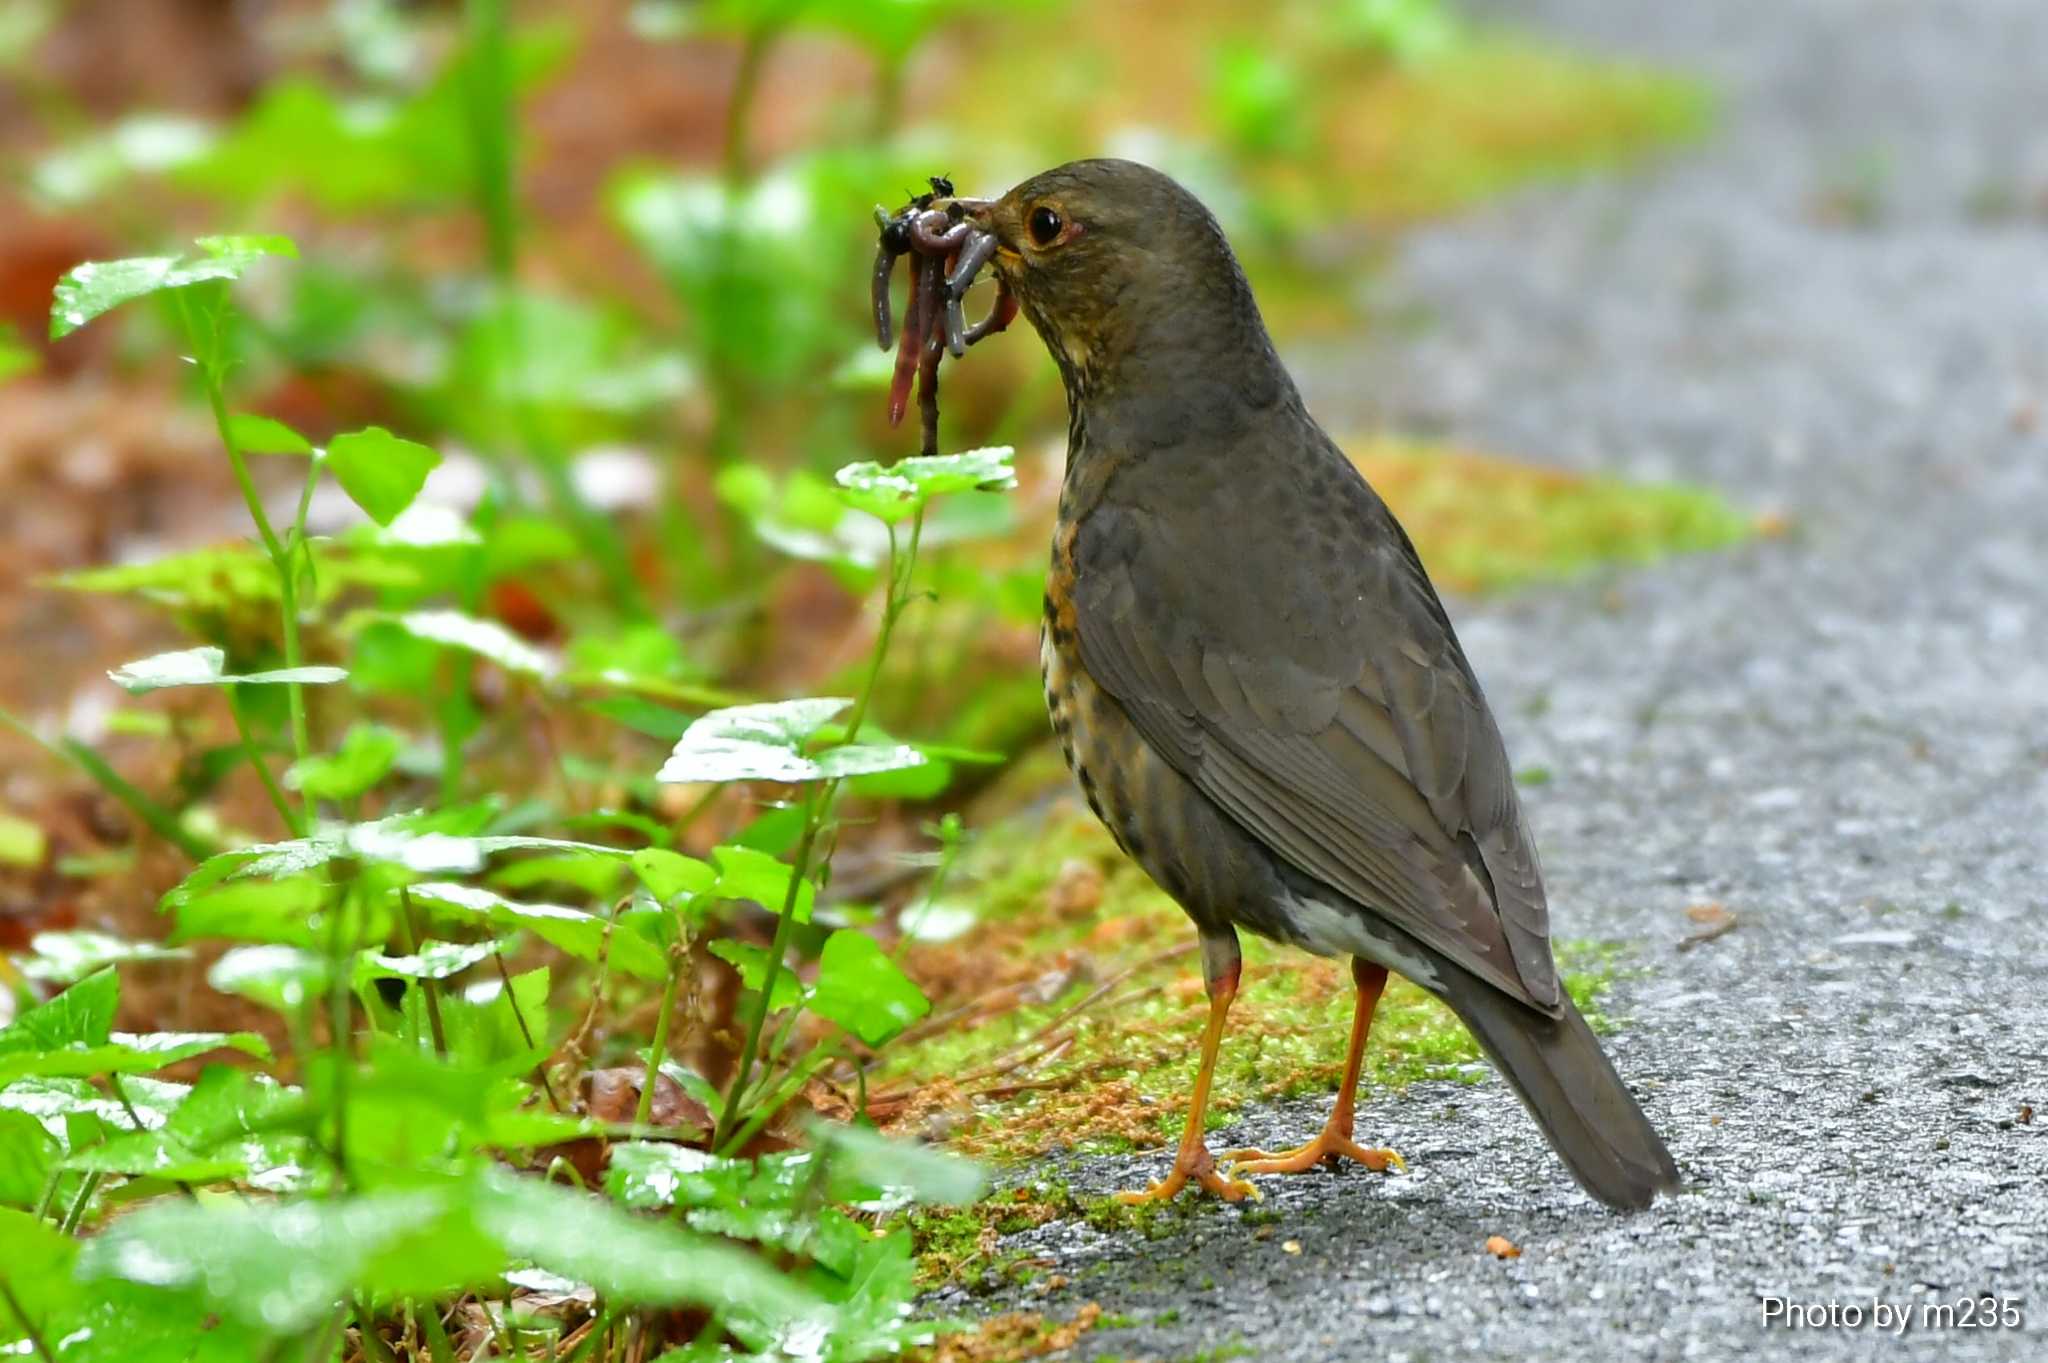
x,y
1321,699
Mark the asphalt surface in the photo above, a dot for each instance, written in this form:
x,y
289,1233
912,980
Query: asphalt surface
x,y
1836,309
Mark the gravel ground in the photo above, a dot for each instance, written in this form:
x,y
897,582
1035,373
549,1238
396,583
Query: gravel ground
x,y
1838,734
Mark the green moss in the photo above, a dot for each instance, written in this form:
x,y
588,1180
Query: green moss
x,y
1484,523
1115,1076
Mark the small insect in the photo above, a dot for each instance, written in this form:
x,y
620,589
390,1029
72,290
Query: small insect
x,y
947,252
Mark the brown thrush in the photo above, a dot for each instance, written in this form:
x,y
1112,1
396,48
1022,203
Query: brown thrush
x,y
1256,685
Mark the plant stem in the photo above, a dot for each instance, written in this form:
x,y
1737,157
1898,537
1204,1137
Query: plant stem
x,y
76,1213
785,923
280,559
339,1049
657,1049
430,989
295,820
817,804
739,108
540,1067
490,118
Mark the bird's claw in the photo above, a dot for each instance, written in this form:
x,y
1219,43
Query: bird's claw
x,y
1327,1148
1201,1167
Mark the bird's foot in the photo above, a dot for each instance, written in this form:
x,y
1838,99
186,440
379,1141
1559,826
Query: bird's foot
x,y
1197,1164
1327,1148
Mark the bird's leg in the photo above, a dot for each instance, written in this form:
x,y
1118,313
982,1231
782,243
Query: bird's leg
x,y
1335,1143
1220,966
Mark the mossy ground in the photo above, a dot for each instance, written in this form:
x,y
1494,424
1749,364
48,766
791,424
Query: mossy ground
x,y
1484,523
1074,1008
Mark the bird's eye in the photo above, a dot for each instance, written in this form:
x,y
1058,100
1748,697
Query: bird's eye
x,y
1045,225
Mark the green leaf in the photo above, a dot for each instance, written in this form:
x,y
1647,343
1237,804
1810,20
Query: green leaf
x,y
126,1053
485,638
27,1154
86,291
433,961
15,358
580,934
278,977
285,911
746,873
206,666
752,963
254,434
283,1266
381,472
22,842
69,956
864,991
365,757
224,578
82,1015
232,1125
596,878
868,1157
405,840
54,1102
766,743
626,1258
892,492
651,1174
669,876
39,1261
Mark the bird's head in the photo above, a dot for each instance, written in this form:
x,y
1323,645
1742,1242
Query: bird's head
x,y
1126,277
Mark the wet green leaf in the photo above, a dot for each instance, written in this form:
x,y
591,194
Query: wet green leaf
x,y
86,291
864,991
207,666
766,743
485,638
278,977
82,1015
70,956
868,1157
381,472
892,492
232,1125
282,1266
126,1053
580,934
626,1258
433,961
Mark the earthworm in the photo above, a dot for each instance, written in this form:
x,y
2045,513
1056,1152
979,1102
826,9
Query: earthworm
x,y
948,250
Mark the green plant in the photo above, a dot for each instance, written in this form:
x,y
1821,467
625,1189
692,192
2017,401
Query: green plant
x,y
387,1155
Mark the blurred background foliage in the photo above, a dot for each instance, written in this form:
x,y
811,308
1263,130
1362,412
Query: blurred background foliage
x,y
602,269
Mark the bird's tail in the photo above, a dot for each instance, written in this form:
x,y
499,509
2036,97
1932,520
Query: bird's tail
x,y
1569,1085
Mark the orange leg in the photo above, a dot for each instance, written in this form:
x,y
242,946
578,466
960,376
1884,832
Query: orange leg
x,y
1193,1161
1335,1143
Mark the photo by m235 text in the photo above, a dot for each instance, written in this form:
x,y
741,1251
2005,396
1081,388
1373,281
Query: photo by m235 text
x,y
1985,1312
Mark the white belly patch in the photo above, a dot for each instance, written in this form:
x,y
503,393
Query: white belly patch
x,y
1333,930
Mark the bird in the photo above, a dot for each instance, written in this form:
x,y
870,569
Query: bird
x,y
1258,688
